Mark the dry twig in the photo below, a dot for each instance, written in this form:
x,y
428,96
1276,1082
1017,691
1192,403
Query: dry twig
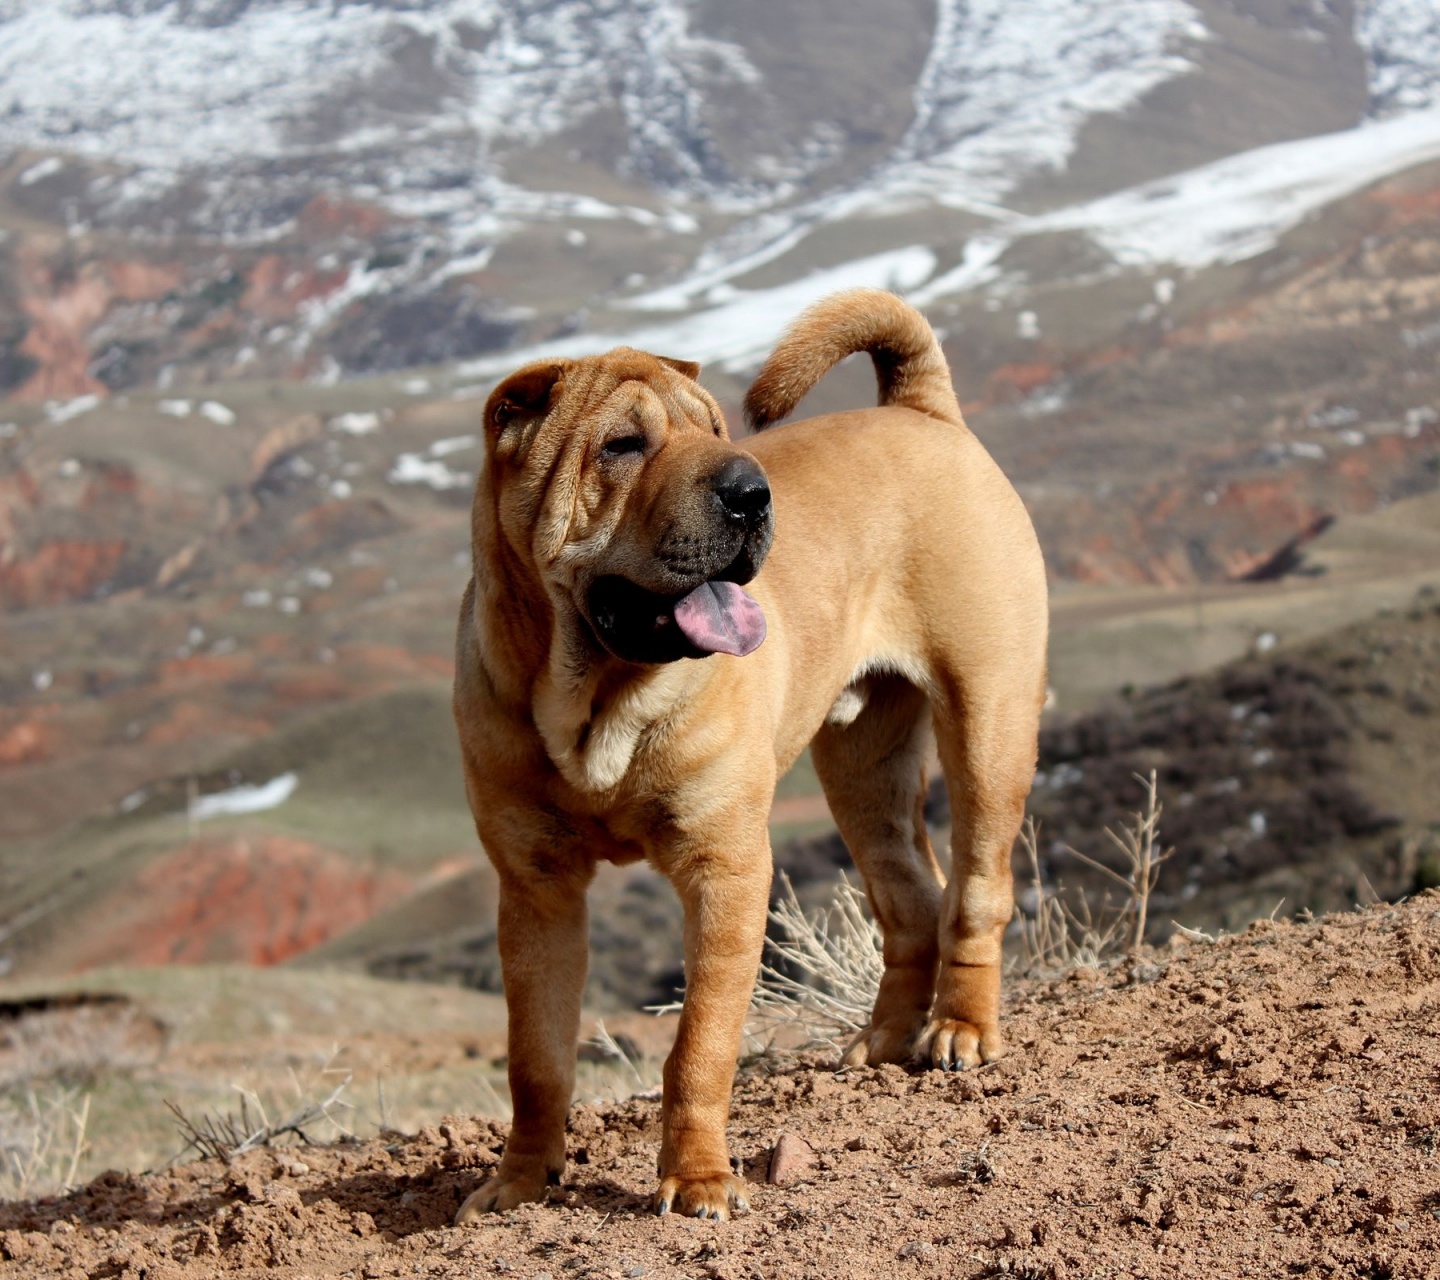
x,y
225,1135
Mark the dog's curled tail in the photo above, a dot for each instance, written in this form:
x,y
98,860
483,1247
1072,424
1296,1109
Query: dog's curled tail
x,y
909,365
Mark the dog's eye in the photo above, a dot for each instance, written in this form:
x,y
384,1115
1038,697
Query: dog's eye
x,y
621,445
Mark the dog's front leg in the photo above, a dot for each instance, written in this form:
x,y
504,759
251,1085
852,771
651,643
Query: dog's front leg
x,y
543,953
725,900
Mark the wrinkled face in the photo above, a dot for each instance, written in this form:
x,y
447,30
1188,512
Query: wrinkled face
x,y
616,476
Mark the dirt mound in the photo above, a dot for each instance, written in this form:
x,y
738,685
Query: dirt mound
x,y
256,900
1261,1106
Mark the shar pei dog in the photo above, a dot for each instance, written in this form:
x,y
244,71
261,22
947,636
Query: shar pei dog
x,y
661,619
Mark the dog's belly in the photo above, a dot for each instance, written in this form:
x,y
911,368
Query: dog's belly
x,y
851,701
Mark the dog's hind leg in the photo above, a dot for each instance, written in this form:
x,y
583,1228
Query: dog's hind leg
x,y
987,743
873,772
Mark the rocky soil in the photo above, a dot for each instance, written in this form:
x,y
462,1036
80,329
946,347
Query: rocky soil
x,y
1264,1105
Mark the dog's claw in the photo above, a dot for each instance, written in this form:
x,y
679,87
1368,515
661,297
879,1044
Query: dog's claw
x,y
502,1192
954,1045
714,1197
662,1208
875,1045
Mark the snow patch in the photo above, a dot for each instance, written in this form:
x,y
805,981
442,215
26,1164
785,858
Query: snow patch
x,y
1222,212
246,799
355,424
1004,93
171,86
1009,85
414,468
57,411
454,444
1238,207
1401,39
738,333
46,168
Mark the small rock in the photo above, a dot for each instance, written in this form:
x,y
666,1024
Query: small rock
x,y
922,1250
244,1185
791,1159
1263,1075
283,1197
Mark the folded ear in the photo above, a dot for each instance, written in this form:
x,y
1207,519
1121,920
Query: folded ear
x,y
688,368
521,402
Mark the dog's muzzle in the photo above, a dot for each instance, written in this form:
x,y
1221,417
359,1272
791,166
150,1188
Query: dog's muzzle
x,y
712,613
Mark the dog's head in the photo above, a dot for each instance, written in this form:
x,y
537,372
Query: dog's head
x,y
616,478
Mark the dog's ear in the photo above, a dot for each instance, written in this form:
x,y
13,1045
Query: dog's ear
x,y
686,368
521,402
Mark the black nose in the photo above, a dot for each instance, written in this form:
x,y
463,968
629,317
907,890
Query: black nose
x,y
742,489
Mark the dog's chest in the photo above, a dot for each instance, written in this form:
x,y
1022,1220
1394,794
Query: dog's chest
x,y
593,741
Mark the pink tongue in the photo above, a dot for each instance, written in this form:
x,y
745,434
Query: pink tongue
x,y
719,617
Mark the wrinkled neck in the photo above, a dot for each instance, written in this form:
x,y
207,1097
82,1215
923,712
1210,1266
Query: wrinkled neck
x,y
593,711
513,613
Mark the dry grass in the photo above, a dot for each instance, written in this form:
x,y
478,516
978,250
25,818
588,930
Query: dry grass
x,y
42,1140
72,1044
621,1071
1060,932
824,968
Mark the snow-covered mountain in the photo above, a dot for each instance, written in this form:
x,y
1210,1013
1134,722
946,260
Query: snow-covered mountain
x,y
439,177
414,98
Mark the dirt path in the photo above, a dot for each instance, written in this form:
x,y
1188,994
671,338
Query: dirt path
x,y
1265,1106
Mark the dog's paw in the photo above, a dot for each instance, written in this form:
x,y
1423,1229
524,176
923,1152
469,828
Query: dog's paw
x,y
503,1191
717,1196
875,1045
953,1045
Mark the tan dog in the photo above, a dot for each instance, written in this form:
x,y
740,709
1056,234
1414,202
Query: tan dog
x,y
615,701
